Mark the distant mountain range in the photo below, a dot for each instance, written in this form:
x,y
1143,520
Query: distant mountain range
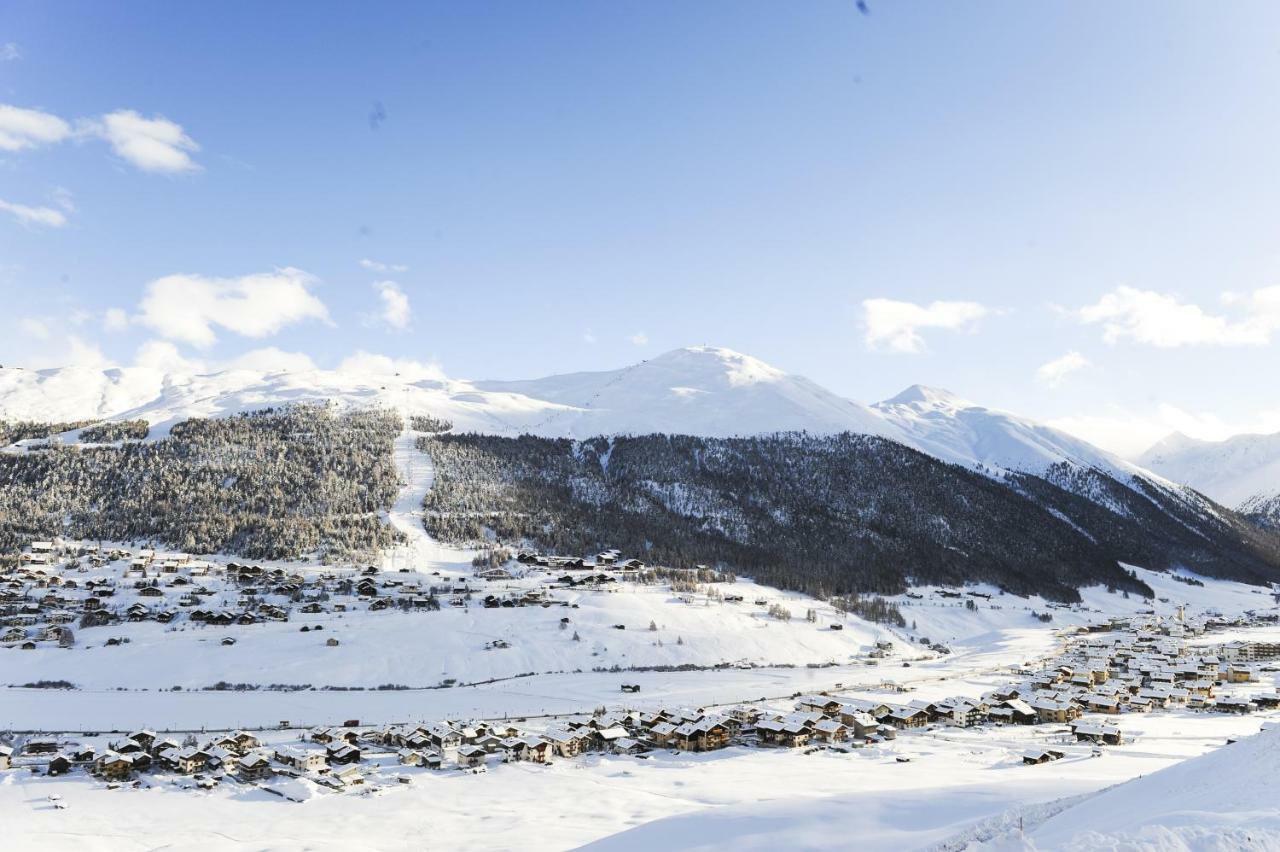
x,y
1243,471
704,391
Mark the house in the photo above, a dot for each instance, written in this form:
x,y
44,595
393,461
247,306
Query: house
x,y
303,760
566,743
1097,732
349,776
412,757
1041,755
627,745
255,767
144,738
830,731
343,753
905,717
59,765
789,732
6,756
190,760
703,735
471,756
114,767
40,747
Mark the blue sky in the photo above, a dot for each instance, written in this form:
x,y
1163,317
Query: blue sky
x,y
1069,210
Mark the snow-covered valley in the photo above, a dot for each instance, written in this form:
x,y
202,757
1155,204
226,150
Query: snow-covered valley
x,y
435,635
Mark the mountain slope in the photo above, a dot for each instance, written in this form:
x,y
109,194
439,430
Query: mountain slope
x,y
950,428
1221,800
1239,469
695,391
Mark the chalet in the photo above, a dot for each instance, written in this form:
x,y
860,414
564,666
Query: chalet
x,y
704,735
221,758
905,717
113,766
303,760
143,738
830,731
343,754
349,776
1097,732
787,731
191,760
6,756
470,756
59,765
567,743
1041,755
1052,710
40,747
1233,705
255,767
823,704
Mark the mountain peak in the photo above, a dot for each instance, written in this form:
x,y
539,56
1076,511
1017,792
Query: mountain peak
x,y
737,368
923,395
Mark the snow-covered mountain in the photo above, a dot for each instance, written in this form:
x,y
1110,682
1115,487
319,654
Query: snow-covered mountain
x,y
696,391
954,429
706,391
1242,469
700,390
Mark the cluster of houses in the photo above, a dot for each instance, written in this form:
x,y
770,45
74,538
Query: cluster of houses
x,y
55,586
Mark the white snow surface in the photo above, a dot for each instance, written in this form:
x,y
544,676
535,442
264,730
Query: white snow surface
x,y
1230,471
956,430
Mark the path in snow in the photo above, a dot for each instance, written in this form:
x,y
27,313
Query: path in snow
x,y
421,552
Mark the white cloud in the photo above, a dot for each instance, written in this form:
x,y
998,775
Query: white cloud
x,y
152,144
34,327
1053,372
46,216
395,312
29,128
378,266
272,360
1160,319
369,364
10,52
1129,433
115,319
187,307
84,353
588,336
640,338
896,325
164,356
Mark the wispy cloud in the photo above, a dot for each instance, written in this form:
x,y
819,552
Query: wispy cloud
x,y
895,325
1053,372
1128,432
10,52
151,144
395,311
640,338
188,307
47,217
29,128
378,266
1163,320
